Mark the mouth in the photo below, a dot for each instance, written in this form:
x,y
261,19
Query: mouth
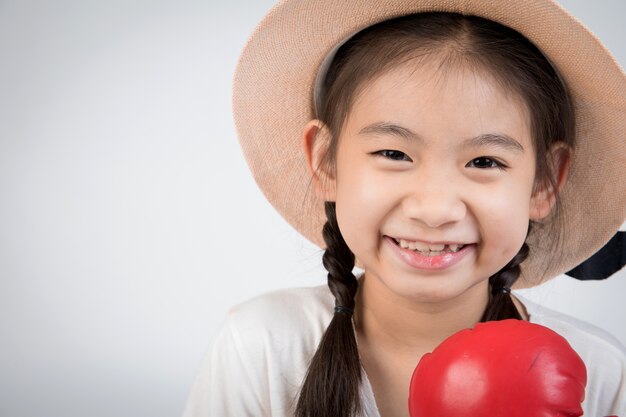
x,y
429,249
430,256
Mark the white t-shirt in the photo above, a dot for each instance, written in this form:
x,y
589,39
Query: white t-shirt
x,y
261,354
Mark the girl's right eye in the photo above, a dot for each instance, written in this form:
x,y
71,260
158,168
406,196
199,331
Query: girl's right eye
x,y
393,155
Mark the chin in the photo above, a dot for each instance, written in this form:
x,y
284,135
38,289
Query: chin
x,y
432,290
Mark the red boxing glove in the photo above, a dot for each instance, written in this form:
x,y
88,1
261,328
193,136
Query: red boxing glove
x,y
509,368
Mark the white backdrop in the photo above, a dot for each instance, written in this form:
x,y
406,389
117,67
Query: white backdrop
x,y
129,222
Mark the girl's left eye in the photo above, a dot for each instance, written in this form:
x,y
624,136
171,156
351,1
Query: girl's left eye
x,y
485,162
393,155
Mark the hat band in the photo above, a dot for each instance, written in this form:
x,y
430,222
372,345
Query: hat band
x,y
318,88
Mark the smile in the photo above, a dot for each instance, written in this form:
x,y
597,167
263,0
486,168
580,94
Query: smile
x,y
429,249
429,256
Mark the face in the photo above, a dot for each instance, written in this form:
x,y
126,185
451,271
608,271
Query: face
x,y
433,181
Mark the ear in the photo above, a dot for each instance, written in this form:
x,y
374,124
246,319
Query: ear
x,y
316,143
544,195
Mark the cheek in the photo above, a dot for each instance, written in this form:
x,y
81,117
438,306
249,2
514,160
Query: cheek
x,y
506,224
361,202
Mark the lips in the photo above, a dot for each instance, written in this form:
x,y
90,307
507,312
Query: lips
x,y
429,256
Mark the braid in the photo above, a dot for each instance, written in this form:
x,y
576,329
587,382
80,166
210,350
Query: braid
x,y
331,385
338,260
500,306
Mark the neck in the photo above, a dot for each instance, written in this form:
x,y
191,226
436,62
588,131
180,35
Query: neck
x,y
406,326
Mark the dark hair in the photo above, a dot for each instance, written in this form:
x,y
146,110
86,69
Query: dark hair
x,y
331,386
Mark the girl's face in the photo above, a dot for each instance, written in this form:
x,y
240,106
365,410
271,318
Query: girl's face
x,y
434,180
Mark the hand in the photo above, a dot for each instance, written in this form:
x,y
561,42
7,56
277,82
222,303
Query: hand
x,y
509,368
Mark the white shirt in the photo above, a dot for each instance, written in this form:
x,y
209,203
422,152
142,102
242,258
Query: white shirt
x,y
260,357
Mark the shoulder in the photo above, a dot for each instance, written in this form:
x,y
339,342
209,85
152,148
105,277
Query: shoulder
x,y
284,325
305,300
603,354
260,355
287,311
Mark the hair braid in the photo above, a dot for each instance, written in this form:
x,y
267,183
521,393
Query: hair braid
x,y
338,260
331,386
500,306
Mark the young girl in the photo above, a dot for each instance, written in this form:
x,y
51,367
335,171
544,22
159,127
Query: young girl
x,y
444,147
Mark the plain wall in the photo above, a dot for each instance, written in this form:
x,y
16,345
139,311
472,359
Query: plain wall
x,y
129,222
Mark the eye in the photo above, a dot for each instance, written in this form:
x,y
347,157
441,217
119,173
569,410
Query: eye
x,y
485,162
393,155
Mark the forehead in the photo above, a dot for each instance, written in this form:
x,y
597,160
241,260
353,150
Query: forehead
x,y
441,98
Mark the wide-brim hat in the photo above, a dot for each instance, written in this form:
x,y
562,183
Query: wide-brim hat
x,y
273,100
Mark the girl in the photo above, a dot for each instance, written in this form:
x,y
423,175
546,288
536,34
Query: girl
x,y
433,141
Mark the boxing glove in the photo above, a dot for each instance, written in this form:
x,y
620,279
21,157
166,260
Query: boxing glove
x,y
509,368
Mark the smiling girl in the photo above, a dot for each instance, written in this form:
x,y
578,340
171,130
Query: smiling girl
x,y
433,140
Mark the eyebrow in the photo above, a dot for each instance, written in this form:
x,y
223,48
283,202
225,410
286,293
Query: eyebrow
x,y
386,128
498,140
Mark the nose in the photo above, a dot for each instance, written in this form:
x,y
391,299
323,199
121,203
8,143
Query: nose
x,y
435,202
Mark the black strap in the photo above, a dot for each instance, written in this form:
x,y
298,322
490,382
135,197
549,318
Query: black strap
x,y
604,263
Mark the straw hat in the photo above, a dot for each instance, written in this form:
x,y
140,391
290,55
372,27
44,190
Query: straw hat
x,y
273,100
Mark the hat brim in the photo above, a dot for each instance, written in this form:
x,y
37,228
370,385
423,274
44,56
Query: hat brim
x,y
273,101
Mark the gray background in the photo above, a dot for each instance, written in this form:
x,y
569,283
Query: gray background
x,y
129,222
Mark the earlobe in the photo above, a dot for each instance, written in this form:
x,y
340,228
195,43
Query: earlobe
x,y
316,142
545,194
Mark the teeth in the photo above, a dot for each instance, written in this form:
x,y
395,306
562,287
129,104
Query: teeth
x,y
422,247
429,250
